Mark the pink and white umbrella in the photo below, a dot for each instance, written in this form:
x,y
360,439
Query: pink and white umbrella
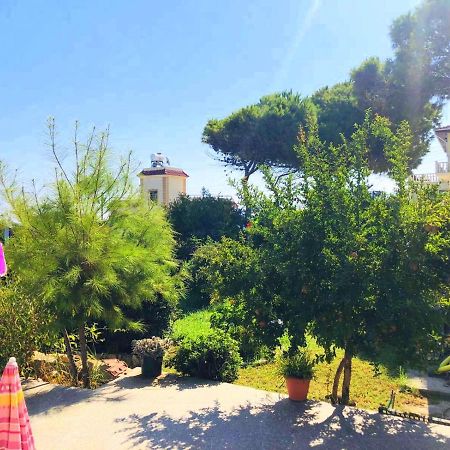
x,y
15,429
3,268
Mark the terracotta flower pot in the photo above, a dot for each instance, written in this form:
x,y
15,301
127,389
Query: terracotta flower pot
x,y
297,388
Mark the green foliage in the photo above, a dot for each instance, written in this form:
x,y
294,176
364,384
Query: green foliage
x,y
263,133
298,365
421,42
337,111
213,356
411,86
362,273
206,268
196,219
254,340
155,317
90,244
25,325
414,84
192,325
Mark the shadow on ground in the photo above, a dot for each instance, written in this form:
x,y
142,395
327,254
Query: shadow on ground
x,y
180,383
47,398
176,412
283,425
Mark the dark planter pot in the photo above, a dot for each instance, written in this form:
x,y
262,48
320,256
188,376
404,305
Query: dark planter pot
x,y
151,367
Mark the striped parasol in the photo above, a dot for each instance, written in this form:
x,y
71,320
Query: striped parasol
x,y
3,268
15,429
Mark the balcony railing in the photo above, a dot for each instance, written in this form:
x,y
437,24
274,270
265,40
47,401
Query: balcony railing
x,y
442,167
426,177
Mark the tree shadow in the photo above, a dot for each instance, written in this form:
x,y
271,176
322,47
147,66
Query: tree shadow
x,y
46,397
180,383
53,398
283,425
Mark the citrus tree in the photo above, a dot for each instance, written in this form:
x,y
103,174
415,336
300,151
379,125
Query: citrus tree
x,y
359,272
89,244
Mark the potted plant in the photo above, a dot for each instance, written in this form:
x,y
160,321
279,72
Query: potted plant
x,y
150,352
298,370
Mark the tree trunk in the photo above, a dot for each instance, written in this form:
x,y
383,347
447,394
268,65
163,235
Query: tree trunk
x,y
84,358
72,367
347,378
337,376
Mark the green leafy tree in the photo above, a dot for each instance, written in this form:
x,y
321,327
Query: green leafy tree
x,y
90,246
421,42
363,273
373,270
337,111
413,86
263,133
195,219
415,83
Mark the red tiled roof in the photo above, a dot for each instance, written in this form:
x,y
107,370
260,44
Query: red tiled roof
x,y
165,171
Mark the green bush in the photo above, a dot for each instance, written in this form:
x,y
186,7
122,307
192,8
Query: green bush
x,y
197,219
214,356
192,325
24,325
155,316
299,365
198,286
230,317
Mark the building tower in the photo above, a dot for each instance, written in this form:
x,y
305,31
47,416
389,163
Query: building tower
x,y
161,182
441,176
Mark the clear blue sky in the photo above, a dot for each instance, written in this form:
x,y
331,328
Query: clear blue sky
x,y
157,71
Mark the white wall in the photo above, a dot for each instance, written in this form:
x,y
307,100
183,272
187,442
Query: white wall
x,y
175,186
152,182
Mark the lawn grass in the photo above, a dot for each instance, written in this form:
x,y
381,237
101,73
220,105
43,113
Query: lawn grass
x,y
192,325
367,389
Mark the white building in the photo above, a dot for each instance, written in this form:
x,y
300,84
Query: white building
x,y
441,176
161,182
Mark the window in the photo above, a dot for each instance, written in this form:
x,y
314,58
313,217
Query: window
x,y
153,195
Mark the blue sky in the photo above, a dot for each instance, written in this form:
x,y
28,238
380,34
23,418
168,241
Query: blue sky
x,y
155,72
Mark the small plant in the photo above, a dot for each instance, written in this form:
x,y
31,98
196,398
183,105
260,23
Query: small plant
x,y
299,365
154,347
214,356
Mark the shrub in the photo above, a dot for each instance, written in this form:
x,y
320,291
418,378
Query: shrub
x,y
192,325
298,365
198,286
155,316
154,347
24,325
230,316
196,219
214,356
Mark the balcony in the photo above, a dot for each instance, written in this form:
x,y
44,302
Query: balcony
x,y
441,177
442,167
426,178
